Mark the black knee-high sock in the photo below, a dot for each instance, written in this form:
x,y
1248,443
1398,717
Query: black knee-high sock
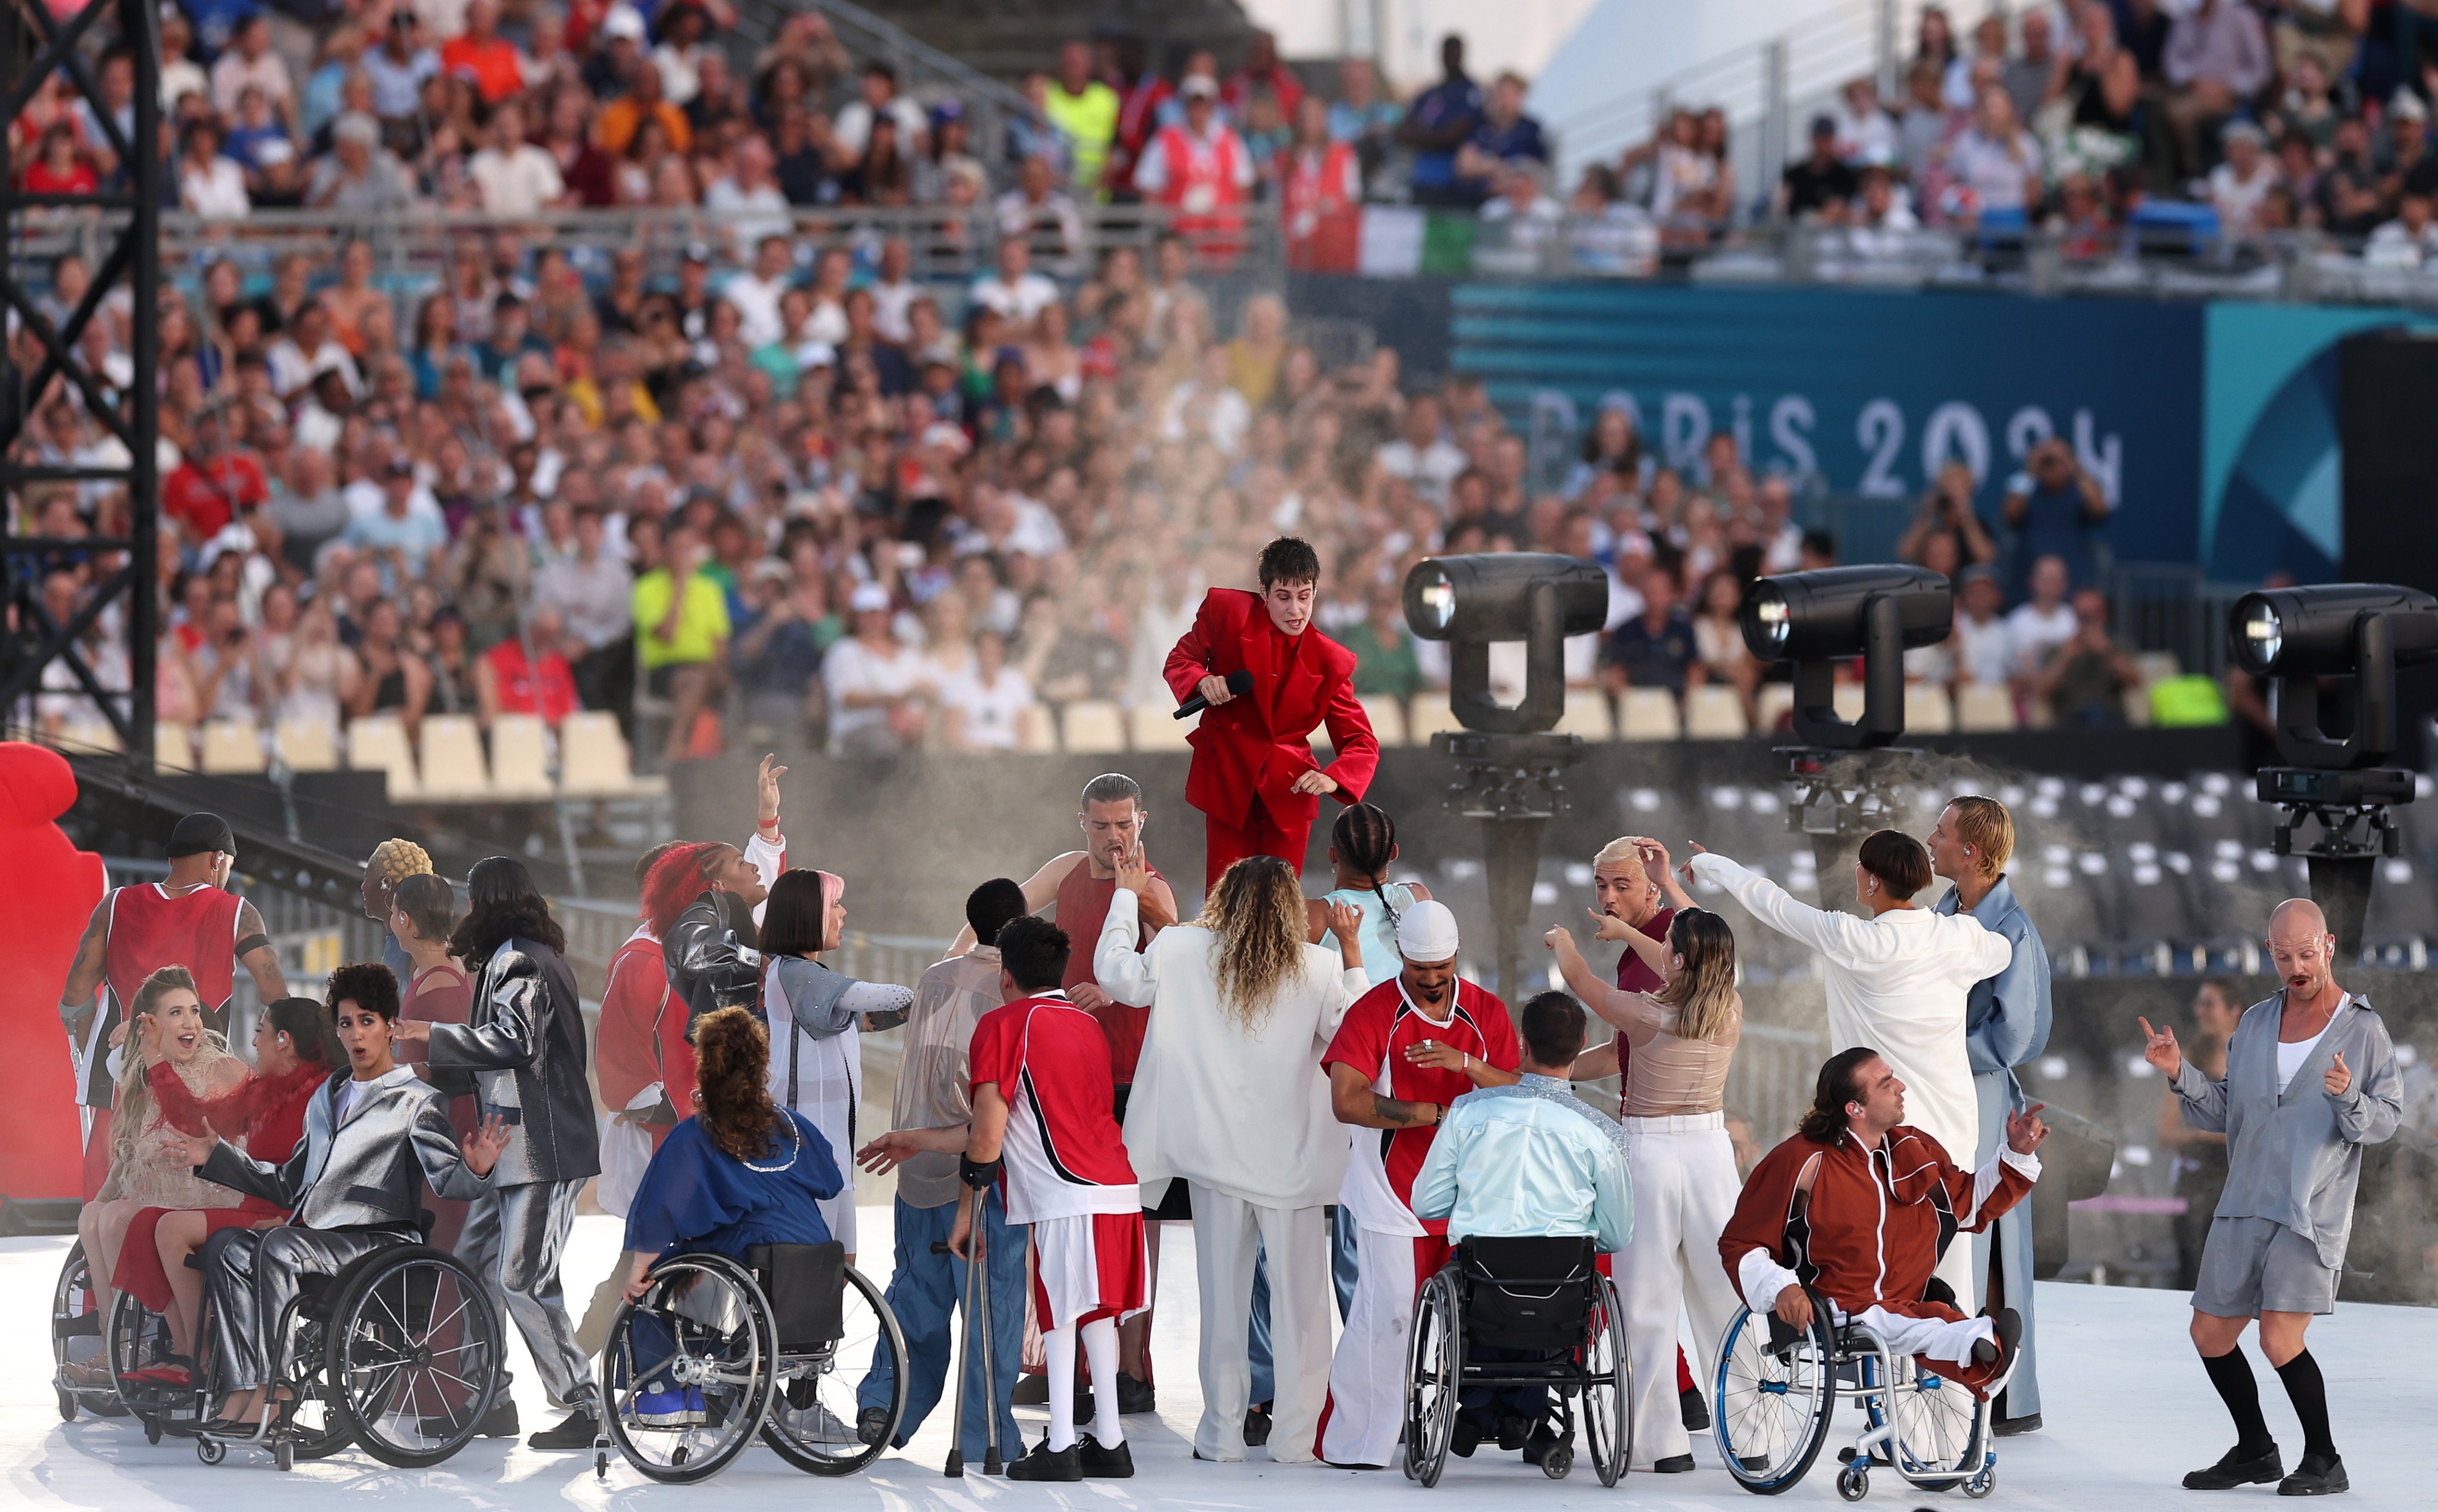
x,y
2309,1391
2231,1372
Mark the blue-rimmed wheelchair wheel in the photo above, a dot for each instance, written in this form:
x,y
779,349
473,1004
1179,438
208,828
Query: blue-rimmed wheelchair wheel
x,y
1434,1368
702,1332
1771,1403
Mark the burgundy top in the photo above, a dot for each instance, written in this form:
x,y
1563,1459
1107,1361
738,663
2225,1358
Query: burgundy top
x,y
1083,908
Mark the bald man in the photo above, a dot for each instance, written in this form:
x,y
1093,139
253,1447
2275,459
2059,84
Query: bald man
x,y
2310,1078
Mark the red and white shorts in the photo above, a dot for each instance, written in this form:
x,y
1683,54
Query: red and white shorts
x,y
1093,1265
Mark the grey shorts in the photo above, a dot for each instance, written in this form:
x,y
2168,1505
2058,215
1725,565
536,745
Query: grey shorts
x,y
2256,1265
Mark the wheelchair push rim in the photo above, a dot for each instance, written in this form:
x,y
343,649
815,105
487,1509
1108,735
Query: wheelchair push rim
x,y
1770,1406
815,1399
412,1356
710,1342
1434,1365
1608,1388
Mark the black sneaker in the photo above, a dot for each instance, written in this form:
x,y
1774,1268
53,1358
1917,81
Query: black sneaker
x,y
1514,1432
2012,1427
500,1421
1464,1437
1673,1465
1257,1426
1693,1410
1047,1464
871,1425
2238,1468
571,1436
1031,1391
2318,1475
1133,1396
1114,1463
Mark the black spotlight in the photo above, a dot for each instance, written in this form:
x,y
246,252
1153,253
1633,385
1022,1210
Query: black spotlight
x,y
1817,619
1510,763
2356,634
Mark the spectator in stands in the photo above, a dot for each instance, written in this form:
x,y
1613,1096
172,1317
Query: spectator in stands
x,y
990,706
1719,639
504,682
2035,74
1656,648
250,62
681,628
1440,122
1422,455
851,132
1363,118
1387,662
1866,136
1947,509
1199,169
875,682
209,185
1820,186
1998,162
2216,60
1503,135
513,176
358,176
1040,213
480,53
1921,124
2239,188
2045,620
592,591
1984,647
1262,73
1084,110
398,69
2056,508
2411,238
393,680
746,197
2087,678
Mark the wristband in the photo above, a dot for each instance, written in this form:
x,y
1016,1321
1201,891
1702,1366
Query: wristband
x,y
248,943
978,1174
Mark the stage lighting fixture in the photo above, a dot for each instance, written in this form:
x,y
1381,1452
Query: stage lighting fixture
x,y
1539,598
1816,618
2363,631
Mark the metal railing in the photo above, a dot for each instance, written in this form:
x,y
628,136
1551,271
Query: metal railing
x,y
924,72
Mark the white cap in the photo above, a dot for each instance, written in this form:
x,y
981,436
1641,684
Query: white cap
x,y
867,596
1426,932
623,21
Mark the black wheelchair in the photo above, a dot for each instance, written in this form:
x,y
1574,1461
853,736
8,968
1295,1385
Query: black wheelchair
x,y
77,1343
1527,1314
714,1353
399,1353
1778,1386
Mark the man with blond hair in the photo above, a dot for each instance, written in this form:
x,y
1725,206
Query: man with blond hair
x,y
2006,1019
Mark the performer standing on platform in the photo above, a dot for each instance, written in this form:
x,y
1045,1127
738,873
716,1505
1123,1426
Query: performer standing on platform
x,y
187,918
2310,1078
2006,1022
1253,775
392,862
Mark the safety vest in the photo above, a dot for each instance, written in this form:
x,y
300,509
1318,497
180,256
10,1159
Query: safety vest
x,y
1089,122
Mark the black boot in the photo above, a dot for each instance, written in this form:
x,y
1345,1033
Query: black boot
x,y
1114,1463
2318,1475
1047,1464
572,1435
2237,1467
1693,1410
1257,1426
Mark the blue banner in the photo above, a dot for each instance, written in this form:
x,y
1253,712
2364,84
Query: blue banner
x,y
1871,393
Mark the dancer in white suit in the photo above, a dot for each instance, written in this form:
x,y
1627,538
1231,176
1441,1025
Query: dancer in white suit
x,y
1230,1100
1897,982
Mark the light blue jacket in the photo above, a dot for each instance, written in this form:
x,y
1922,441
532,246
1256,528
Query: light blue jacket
x,y
1528,1160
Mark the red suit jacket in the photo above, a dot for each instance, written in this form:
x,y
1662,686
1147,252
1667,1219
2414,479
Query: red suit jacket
x,y
1256,745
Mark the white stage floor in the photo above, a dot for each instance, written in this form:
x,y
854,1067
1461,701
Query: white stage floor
x,y
2128,1411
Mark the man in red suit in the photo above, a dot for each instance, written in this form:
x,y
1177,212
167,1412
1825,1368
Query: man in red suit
x,y
1253,776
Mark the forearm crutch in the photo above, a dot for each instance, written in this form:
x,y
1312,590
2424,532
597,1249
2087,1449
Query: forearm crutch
x,y
955,1468
980,1261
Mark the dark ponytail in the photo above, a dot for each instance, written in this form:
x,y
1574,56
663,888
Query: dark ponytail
x,y
1825,1123
1366,838
309,1029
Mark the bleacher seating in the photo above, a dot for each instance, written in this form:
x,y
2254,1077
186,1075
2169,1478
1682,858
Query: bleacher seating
x,y
1712,712
231,748
1387,716
379,744
520,759
595,760
307,746
1092,726
1155,727
1648,713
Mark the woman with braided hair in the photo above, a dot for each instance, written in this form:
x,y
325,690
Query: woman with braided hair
x,y
1362,846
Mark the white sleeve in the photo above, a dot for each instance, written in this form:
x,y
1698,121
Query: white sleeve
x,y
1245,172
1832,933
1992,951
1985,1181
1124,972
1151,170
1762,1279
768,858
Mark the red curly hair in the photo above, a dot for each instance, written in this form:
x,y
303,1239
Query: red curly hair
x,y
676,880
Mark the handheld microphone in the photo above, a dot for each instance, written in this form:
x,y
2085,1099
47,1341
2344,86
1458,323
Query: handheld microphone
x,y
1240,683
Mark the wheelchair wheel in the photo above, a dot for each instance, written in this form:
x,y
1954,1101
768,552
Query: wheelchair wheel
x,y
1608,1409
1434,1366
1771,1414
688,1374
136,1337
76,1339
316,1423
813,1407
411,1354
1938,1427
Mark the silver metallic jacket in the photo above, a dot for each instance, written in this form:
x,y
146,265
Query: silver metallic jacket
x,y
366,1172
523,1043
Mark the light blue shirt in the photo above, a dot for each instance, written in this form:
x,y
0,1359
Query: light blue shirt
x,y
1528,1160
1379,932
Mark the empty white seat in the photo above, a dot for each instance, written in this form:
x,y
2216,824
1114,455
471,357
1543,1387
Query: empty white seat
x,y
173,747
1982,707
1429,715
520,757
231,748
453,765
1587,715
1387,716
1156,727
1850,699
594,760
2157,666
307,745
1712,712
1928,709
1775,701
377,743
91,735
1092,726
1034,730
1648,714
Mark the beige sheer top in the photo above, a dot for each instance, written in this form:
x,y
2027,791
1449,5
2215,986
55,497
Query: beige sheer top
x,y
1665,1076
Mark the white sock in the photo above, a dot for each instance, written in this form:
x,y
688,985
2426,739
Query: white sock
x,y
1100,1354
1058,1346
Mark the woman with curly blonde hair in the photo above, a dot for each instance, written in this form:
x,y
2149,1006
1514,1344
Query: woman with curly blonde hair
x,y
1229,1101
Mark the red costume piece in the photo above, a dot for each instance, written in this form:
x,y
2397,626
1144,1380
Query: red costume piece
x,y
148,929
1373,1037
47,893
1248,752
270,1113
443,996
642,1038
1867,1233
1082,907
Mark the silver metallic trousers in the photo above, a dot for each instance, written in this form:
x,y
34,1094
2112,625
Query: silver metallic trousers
x,y
514,1239
252,1274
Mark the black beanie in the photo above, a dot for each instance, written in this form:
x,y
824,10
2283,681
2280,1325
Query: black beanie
x,y
200,832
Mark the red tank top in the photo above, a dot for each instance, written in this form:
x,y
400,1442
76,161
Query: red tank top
x,y
150,930
1083,908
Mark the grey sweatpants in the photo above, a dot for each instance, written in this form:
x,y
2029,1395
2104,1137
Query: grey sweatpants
x,y
514,1239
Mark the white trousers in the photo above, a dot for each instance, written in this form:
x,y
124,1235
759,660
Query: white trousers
x,y
1367,1378
1933,1338
1228,1233
1685,1187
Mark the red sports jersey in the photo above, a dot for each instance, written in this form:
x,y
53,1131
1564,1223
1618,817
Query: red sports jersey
x,y
1378,1030
150,930
1065,1155
642,1038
